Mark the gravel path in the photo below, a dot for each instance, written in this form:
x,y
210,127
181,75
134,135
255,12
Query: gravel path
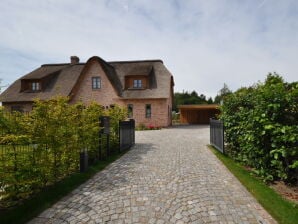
x,y
170,176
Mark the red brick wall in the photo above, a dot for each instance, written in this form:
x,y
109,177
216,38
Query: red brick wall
x,y
105,96
26,107
159,112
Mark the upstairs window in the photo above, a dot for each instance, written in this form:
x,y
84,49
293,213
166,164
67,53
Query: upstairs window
x,y
148,111
35,86
137,83
96,83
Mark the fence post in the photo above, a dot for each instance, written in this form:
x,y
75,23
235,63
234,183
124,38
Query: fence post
x,y
83,161
132,131
126,134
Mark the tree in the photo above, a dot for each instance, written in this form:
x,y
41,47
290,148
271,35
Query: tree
x,y
186,98
223,92
210,100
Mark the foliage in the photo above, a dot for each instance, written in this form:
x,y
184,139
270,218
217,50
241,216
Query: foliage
x,y
116,114
44,199
222,94
187,98
143,127
41,148
281,209
261,128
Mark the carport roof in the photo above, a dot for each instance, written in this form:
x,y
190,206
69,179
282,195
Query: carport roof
x,y
199,106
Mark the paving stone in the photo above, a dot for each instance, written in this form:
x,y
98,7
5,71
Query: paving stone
x,y
169,176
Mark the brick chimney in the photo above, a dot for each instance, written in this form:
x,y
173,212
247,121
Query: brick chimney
x,y
74,60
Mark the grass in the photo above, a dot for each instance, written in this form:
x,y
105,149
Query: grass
x,y
284,211
44,199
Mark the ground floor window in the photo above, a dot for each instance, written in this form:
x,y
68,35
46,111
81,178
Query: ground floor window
x,y
148,110
17,109
130,110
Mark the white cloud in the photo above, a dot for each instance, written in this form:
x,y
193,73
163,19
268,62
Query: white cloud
x,y
203,43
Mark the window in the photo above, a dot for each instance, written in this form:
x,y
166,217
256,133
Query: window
x,y
148,110
17,109
35,86
137,83
130,110
96,83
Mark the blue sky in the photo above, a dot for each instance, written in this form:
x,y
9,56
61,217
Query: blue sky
x,y
203,43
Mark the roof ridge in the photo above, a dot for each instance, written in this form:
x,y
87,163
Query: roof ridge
x,y
137,61
61,64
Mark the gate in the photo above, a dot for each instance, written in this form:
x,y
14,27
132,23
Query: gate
x,y
217,134
126,134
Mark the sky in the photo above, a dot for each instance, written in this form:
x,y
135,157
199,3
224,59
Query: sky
x,y
203,43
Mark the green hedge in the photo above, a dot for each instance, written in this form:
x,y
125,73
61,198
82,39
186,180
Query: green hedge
x,y
261,128
41,148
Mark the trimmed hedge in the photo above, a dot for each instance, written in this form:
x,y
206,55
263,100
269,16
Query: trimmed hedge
x,y
261,128
43,147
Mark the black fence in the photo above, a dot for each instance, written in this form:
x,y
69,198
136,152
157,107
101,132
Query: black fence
x,y
217,134
27,165
126,134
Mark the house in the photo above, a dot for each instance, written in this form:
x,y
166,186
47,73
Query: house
x,y
144,87
198,114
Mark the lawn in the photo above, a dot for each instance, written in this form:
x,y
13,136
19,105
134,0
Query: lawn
x,y
44,199
284,211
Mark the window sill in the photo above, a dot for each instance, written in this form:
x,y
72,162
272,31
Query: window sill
x,y
32,91
136,88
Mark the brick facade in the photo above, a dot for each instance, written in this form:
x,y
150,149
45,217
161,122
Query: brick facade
x,y
105,95
24,106
80,82
160,112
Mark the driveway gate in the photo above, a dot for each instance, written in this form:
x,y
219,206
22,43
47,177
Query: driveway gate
x,y
217,134
126,134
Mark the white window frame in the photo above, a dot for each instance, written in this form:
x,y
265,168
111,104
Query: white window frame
x,y
137,83
96,82
35,86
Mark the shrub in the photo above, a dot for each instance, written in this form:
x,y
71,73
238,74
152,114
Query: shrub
x,y
261,128
41,148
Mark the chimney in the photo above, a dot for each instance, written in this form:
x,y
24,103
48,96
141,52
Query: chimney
x,y
74,60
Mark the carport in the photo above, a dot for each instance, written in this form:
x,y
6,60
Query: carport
x,y
198,114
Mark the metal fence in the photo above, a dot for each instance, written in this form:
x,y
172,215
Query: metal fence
x,y
126,134
217,134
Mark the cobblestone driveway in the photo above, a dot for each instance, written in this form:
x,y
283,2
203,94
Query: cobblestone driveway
x,y
170,176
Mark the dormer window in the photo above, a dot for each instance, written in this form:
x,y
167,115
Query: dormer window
x,y
29,85
35,86
137,83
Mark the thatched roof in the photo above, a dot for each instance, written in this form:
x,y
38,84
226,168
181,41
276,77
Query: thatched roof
x,y
160,79
63,78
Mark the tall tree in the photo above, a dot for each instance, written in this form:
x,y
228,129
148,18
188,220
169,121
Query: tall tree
x,y
186,98
222,93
